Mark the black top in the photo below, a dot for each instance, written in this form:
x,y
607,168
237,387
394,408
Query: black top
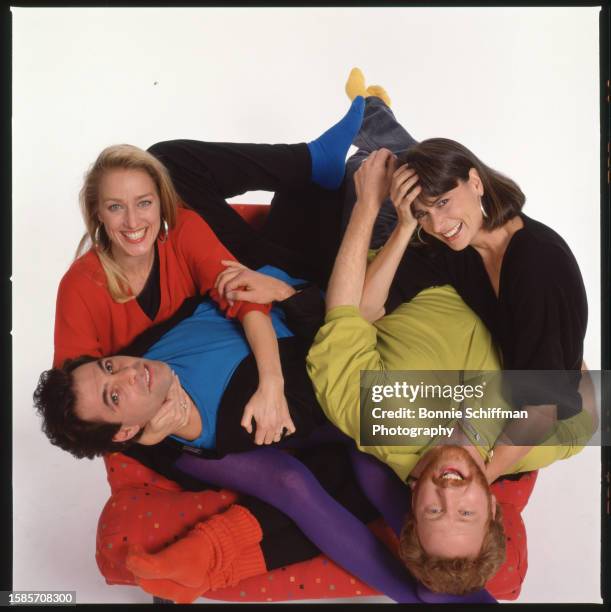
x,y
149,299
540,316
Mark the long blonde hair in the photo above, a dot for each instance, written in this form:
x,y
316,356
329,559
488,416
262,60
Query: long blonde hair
x,y
126,157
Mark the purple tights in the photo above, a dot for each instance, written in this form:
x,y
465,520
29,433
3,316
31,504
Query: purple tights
x,y
281,480
382,487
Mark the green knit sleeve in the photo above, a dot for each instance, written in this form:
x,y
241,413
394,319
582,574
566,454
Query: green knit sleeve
x,y
344,346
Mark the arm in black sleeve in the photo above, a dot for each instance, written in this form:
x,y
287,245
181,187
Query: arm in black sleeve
x,y
305,312
546,315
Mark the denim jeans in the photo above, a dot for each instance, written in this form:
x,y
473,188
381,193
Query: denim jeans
x,y
379,129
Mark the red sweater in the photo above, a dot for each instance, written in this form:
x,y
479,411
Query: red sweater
x,y
89,322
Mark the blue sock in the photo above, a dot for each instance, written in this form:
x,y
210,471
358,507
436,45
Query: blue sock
x,y
328,151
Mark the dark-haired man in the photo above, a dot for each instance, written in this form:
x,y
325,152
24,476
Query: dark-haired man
x,y
92,406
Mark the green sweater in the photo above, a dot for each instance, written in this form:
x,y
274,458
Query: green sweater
x,y
434,331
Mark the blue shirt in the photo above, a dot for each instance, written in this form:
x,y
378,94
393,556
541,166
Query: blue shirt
x,y
205,349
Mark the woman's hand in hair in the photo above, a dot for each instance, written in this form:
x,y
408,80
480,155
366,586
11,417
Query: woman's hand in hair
x,y
237,282
404,190
373,178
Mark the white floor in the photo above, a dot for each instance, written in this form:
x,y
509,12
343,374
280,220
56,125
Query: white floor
x,y
87,78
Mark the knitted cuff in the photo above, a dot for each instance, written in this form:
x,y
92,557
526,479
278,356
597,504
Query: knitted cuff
x,y
229,532
243,526
250,562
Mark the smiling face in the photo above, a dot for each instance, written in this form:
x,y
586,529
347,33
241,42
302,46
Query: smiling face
x,y
455,217
452,504
129,209
125,390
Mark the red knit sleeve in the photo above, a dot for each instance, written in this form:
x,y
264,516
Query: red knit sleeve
x,y
75,329
203,252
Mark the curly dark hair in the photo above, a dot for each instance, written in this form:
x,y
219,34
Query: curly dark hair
x,y
55,401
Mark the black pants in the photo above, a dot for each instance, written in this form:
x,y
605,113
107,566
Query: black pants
x,y
302,231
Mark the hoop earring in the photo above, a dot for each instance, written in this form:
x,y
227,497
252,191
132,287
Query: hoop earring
x,y
419,235
96,236
484,213
165,228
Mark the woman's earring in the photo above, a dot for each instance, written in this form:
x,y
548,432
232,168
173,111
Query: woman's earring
x,y
484,213
164,226
96,236
419,235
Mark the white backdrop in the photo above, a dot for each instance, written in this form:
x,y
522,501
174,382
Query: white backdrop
x,y
518,86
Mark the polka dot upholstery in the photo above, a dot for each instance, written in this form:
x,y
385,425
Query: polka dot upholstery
x,y
320,577
148,509
513,496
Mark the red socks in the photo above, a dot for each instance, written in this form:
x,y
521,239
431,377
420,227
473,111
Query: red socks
x,y
249,563
216,553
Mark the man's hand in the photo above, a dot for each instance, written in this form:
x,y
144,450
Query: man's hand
x,y
269,408
404,190
172,416
237,282
372,180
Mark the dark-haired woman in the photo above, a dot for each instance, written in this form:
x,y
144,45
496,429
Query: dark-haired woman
x,y
464,225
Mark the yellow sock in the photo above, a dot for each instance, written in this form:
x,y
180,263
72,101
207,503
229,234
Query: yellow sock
x,y
378,91
355,85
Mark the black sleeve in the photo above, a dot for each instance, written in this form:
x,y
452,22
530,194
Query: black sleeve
x,y
303,407
305,312
547,312
545,315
